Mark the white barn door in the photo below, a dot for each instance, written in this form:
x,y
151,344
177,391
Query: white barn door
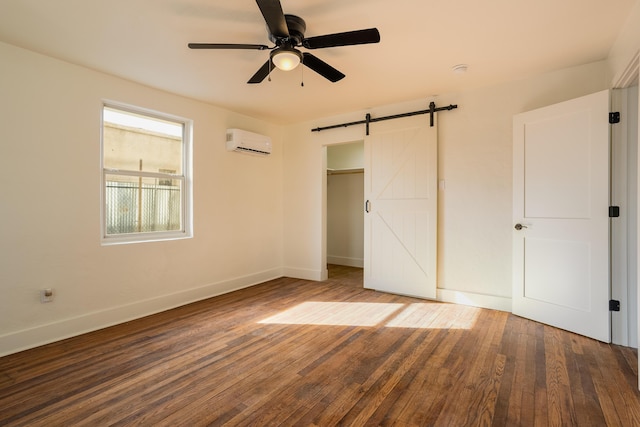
x,y
560,215
401,209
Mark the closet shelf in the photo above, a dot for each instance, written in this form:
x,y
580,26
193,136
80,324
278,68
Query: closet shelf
x,y
344,171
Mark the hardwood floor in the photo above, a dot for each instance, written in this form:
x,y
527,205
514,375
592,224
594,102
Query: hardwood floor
x,y
293,352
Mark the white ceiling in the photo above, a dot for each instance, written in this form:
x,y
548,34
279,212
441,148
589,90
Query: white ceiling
x,y
421,40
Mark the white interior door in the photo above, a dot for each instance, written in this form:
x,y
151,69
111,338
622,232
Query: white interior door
x,y
561,198
401,210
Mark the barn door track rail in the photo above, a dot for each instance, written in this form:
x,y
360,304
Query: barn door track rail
x,y
368,119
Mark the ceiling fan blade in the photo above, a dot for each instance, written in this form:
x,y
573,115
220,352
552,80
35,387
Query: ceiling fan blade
x,y
321,67
263,72
370,35
227,46
274,17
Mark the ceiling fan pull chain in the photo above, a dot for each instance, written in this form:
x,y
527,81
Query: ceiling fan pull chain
x,y
302,72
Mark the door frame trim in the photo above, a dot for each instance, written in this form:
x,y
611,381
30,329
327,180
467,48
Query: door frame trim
x,y
628,77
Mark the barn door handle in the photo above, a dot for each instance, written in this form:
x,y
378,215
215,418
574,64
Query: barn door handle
x,y
367,206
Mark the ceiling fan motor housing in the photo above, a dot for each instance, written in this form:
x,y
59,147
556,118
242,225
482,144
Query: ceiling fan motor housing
x,y
296,26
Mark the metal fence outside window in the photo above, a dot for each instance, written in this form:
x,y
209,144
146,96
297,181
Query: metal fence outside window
x,y
133,208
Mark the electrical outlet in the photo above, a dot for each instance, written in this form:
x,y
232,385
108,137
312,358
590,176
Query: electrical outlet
x,y
46,295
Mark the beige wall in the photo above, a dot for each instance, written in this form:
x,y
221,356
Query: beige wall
x,y
346,156
50,115
475,157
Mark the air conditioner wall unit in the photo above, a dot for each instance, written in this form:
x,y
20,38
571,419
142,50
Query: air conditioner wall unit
x,y
248,142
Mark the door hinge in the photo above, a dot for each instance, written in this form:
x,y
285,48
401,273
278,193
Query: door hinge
x,y
614,117
614,305
614,211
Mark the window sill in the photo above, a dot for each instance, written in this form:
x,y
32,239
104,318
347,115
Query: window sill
x,y
125,239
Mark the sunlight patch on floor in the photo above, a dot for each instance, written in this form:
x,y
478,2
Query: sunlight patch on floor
x,y
335,313
435,316
392,315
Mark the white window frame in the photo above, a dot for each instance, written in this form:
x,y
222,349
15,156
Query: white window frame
x,y
186,179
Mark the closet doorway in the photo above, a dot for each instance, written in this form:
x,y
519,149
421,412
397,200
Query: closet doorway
x,y
345,201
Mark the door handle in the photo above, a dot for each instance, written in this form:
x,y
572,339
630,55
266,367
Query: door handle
x,y
367,206
520,226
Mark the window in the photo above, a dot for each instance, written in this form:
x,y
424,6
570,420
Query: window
x,y
145,175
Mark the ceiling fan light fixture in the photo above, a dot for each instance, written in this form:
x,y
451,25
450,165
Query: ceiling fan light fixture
x,y
286,58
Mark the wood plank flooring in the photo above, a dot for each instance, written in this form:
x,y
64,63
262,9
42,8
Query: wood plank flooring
x,y
298,353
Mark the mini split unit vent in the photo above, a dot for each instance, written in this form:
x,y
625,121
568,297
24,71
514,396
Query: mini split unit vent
x,y
248,142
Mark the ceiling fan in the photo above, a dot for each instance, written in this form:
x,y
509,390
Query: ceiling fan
x,y
287,33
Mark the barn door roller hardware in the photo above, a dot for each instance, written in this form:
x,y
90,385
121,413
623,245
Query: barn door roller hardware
x,y
368,119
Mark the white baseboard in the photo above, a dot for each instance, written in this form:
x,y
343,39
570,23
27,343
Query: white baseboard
x,y
349,262
301,273
474,300
67,328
